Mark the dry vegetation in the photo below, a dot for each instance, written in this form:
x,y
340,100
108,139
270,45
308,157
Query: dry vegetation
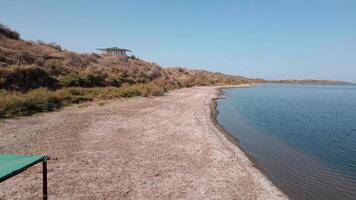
x,y
36,76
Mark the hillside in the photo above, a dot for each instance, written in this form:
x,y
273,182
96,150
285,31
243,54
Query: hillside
x,y
36,76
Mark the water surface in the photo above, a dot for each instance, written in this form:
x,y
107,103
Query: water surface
x,y
303,137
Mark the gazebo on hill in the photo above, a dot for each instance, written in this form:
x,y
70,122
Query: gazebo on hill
x,y
114,51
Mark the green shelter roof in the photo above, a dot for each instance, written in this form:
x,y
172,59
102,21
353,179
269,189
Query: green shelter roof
x,y
12,164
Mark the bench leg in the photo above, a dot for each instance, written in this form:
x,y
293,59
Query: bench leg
x,y
44,170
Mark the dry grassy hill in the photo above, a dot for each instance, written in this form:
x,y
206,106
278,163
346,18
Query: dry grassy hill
x,y
37,76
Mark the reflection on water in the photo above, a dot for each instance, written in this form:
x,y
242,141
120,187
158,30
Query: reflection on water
x,y
303,137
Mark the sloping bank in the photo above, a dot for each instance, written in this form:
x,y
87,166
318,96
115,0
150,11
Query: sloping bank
x,y
164,147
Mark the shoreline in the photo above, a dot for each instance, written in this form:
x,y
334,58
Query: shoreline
x,y
228,135
235,141
220,127
165,147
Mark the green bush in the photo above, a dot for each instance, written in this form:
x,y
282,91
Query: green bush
x,y
80,80
8,32
26,78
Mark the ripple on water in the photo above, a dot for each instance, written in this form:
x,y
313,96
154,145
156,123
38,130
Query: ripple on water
x,y
302,137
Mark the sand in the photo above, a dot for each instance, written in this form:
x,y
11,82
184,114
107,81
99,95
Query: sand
x,y
164,147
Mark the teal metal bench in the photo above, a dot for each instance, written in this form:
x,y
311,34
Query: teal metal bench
x,y
13,164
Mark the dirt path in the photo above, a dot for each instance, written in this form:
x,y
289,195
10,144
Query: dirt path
x,y
145,148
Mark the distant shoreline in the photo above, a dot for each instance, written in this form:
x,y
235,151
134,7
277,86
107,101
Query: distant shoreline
x,y
312,82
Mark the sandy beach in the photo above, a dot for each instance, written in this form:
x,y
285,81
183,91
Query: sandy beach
x,y
165,147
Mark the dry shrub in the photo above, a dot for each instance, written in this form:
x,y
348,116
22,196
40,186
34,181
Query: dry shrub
x,y
3,58
56,67
25,57
24,78
74,60
95,55
155,89
55,46
89,59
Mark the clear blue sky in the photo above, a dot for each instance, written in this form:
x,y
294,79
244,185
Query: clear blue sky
x,y
273,39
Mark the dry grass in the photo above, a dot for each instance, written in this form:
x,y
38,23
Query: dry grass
x,y
43,100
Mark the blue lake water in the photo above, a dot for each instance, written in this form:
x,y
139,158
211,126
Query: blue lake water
x,y
303,137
